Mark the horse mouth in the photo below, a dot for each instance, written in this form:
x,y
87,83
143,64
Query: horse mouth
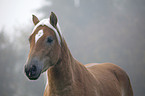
x,y
32,72
33,77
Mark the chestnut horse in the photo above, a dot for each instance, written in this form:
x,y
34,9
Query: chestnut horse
x,y
65,75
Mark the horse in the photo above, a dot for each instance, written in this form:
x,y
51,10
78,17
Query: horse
x,y
65,75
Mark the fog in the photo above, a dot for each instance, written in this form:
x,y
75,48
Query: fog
x,y
95,31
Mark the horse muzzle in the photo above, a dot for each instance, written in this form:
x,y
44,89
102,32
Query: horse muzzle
x,y
33,69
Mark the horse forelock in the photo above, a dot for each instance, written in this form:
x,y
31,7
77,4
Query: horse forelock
x,y
46,22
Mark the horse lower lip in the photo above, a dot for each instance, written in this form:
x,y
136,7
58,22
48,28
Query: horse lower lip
x,y
34,77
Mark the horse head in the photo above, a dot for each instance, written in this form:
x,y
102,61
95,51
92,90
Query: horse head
x,y
45,46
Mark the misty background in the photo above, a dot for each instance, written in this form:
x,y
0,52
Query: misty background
x,y
95,31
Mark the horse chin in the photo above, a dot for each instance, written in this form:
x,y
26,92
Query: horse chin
x,y
45,68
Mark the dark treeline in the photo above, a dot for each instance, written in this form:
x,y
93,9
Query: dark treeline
x,y
95,31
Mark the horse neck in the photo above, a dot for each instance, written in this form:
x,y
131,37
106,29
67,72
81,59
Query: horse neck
x,y
61,75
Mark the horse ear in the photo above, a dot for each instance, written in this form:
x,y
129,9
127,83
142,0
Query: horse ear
x,y
53,19
35,19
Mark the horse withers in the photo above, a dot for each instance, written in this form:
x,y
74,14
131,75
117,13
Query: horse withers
x,y
65,75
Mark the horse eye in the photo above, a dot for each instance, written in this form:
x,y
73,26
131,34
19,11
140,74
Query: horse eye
x,y
49,39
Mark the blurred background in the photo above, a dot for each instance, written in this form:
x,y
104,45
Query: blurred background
x,y
95,31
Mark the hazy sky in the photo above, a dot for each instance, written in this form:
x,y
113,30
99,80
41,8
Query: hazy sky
x,y
17,12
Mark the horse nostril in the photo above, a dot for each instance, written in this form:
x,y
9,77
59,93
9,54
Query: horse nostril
x,y
32,71
33,68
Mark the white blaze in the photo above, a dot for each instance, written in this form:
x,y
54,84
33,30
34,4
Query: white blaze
x,y
38,35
